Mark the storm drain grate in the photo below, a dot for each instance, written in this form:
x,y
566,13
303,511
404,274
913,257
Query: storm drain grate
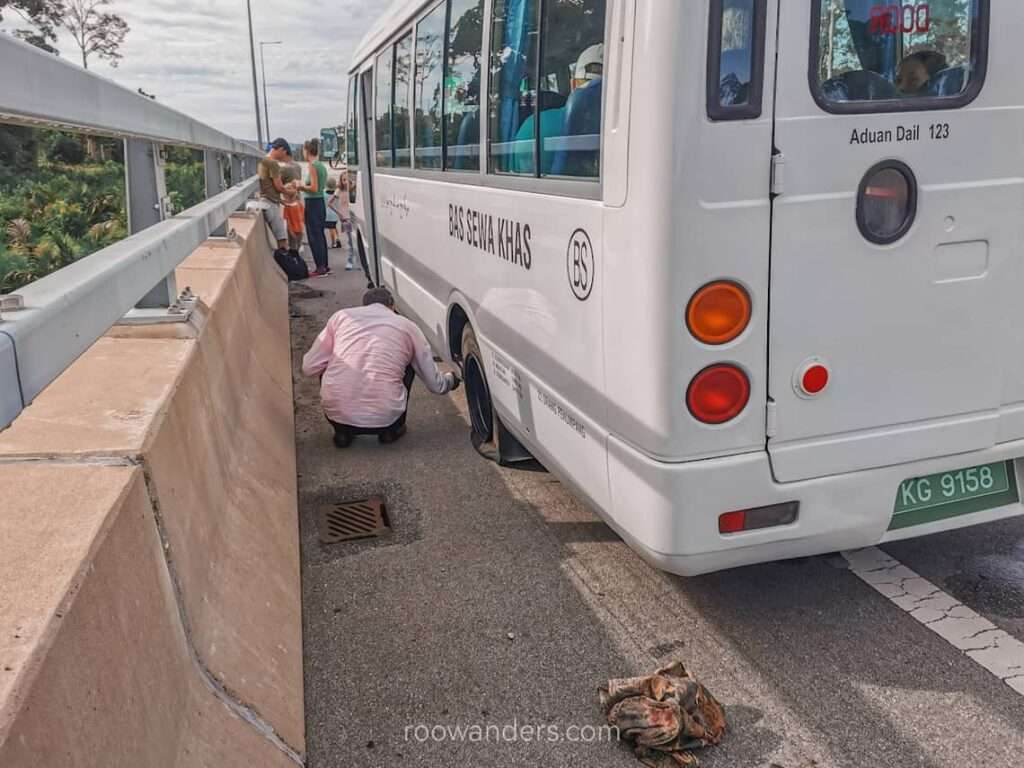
x,y
353,520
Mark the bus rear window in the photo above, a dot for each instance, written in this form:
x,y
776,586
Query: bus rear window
x,y
736,59
884,55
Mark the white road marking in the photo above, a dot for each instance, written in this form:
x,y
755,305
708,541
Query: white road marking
x,y
992,648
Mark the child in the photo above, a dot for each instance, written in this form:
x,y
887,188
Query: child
x,y
917,70
294,216
332,215
339,203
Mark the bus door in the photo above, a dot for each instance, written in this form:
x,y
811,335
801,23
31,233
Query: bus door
x,y
368,151
895,261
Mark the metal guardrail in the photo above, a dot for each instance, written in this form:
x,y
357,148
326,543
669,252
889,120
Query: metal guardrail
x,y
39,88
64,313
45,326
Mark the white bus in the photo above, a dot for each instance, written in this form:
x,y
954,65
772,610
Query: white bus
x,y
746,275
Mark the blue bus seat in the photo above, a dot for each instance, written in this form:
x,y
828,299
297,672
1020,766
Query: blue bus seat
x,y
859,85
469,133
948,82
582,118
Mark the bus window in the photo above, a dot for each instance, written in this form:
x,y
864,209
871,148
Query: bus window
x,y
429,81
572,71
513,91
879,55
403,93
382,101
352,139
736,59
328,143
462,78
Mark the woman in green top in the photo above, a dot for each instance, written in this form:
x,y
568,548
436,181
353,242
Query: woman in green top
x,y
313,189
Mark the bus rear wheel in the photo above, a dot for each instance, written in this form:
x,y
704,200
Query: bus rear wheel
x,y
489,436
478,396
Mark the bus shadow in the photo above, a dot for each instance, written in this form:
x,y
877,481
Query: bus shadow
x,y
867,677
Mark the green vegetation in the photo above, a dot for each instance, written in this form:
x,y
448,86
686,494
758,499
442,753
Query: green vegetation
x,y
186,178
61,198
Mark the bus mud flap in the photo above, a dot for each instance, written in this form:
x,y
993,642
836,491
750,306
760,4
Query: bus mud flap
x,y
506,450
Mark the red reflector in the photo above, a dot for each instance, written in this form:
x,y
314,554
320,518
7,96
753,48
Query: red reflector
x,y
718,394
732,522
815,379
756,518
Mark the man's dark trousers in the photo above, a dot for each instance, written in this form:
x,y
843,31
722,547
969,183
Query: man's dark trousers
x,y
345,432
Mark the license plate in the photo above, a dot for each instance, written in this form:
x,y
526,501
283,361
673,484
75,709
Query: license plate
x,y
951,494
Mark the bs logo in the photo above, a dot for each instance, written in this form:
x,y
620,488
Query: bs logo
x,y
580,266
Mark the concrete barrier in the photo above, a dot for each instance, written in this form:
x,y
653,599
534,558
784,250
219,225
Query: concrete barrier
x,y
150,606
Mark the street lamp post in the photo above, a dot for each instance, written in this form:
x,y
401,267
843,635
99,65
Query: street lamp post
x,y
255,85
263,68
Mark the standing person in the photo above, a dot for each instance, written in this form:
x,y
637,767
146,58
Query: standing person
x,y
314,196
294,213
340,204
271,188
367,359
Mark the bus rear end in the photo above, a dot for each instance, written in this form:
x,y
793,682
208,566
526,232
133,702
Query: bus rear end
x,y
887,302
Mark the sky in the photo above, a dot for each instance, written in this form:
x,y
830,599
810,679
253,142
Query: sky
x,y
194,56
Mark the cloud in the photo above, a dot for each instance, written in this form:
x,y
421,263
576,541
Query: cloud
x,y
194,55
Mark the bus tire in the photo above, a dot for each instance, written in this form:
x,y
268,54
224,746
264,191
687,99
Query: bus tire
x,y
489,436
478,397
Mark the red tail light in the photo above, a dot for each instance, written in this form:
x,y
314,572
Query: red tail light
x,y
718,394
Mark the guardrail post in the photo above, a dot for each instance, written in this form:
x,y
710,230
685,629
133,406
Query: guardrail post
x,y
214,183
148,204
236,170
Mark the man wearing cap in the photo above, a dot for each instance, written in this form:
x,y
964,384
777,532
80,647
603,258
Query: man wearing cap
x,y
367,358
271,187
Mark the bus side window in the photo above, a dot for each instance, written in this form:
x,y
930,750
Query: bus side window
x,y
572,72
547,106
429,83
352,135
403,93
352,138
462,78
382,101
736,59
513,92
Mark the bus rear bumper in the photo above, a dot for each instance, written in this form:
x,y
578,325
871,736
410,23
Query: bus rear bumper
x,y
669,512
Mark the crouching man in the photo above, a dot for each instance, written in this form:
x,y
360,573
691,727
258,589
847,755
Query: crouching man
x,y
367,358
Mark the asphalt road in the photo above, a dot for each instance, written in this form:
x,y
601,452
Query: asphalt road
x,y
499,599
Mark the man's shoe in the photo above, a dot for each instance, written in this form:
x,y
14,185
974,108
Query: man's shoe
x,y
394,436
343,439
